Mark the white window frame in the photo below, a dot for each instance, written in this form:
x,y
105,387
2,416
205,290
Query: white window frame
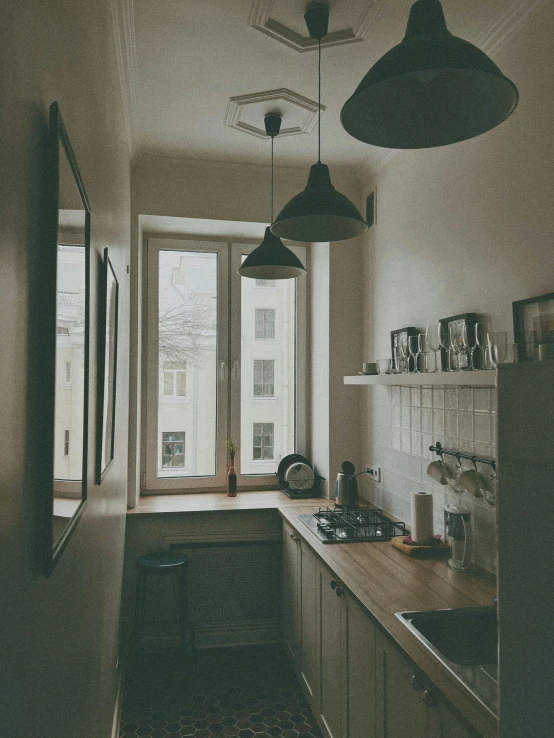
x,y
262,396
262,423
228,364
173,397
265,338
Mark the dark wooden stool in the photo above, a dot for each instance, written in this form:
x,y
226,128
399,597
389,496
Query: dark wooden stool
x,y
161,563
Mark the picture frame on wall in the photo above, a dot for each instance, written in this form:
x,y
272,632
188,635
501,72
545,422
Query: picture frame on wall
x,y
534,327
470,319
108,308
399,341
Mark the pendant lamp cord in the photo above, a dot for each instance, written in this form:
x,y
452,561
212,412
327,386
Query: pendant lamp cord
x,y
319,101
272,139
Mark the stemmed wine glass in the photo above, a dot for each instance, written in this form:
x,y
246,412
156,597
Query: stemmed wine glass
x,y
414,346
434,343
480,338
456,336
425,351
404,351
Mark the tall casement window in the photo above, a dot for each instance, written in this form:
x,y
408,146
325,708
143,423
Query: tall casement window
x,y
216,359
265,323
264,377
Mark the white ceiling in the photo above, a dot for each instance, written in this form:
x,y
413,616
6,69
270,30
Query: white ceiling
x,y
193,55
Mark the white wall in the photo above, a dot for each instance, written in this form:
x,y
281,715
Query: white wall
x,y
59,636
464,228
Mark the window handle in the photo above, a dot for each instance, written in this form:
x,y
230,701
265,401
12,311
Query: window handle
x,y
223,371
236,370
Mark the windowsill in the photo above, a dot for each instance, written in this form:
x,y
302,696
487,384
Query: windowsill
x,y
218,501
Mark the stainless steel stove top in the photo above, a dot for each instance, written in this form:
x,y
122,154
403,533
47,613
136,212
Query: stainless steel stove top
x,y
338,525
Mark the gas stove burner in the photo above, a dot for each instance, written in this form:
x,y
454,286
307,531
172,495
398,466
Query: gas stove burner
x,y
340,525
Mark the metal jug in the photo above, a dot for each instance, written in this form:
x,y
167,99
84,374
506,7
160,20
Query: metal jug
x,y
346,486
458,534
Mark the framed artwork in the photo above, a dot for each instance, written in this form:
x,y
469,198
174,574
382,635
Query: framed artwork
x,y
107,367
534,327
399,346
457,321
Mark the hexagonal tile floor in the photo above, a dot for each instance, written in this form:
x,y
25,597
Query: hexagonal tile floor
x,y
242,692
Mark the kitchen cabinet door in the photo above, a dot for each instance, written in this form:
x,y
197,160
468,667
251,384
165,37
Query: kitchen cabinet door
x,y
446,724
402,708
359,633
333,655
291,593
309,652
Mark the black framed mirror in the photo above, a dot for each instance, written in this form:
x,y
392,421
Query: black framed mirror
x,y
65,348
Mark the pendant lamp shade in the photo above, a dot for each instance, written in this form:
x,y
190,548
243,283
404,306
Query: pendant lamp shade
x,y
433,89
271,260
319,213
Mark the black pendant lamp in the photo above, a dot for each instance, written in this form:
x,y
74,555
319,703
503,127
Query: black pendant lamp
x,y
431,90
319,213
272,259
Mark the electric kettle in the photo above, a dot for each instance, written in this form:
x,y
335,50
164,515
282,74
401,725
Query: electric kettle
x,y
458,534
346,486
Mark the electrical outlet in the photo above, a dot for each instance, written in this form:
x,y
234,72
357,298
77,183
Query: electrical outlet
x,y
374,472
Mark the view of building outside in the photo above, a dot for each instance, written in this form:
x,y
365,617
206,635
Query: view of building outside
x,y
70,362
187,368
187,363
268,361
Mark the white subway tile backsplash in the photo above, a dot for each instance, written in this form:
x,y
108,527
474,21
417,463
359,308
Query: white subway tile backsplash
x,y
426,397
452,423
482,428
426,420
465,426
465,398
451,398
481,399
438,397
438,422
402,423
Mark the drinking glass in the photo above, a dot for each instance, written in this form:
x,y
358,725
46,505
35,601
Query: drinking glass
x,y
497,344
470,338
433,342
481,338
383,366
414,346
425,350
404,352
456,336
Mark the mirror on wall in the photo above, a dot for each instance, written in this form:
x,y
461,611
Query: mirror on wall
x,y
66,330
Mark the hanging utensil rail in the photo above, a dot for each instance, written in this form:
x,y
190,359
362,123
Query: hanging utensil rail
x,y
439,450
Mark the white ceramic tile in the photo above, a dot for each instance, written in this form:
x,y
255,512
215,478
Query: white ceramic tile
x,y
405,396
416,396
465,446
451,398
438,422
494,428
386,455
452,423
482,449
465,398
397,459
482,428
481,399
384,436
416,419
396,442
426,420
438,397
415,466
396,395
426,397
416,443
396,416
406,441
494,399
465,425
426,441
405,422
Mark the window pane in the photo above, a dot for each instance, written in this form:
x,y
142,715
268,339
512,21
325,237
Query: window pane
x,y
187,363
267,371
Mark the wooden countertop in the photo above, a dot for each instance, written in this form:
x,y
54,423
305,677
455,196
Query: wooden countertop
x,y
381,578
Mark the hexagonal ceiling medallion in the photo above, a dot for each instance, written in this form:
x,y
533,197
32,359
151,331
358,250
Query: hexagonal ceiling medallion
x,y
283,20
246,112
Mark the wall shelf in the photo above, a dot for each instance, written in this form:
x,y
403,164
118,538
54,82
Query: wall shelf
x,y
479,378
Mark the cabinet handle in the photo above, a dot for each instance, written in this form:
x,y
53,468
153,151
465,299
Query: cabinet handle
x,y
417,682
427,697
293,536
338,590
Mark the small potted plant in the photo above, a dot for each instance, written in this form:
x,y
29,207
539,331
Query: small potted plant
x,y
231,474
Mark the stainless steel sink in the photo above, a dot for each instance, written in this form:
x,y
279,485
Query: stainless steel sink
x,y
465,640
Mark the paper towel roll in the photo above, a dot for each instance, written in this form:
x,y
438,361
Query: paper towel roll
x,y
422,517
